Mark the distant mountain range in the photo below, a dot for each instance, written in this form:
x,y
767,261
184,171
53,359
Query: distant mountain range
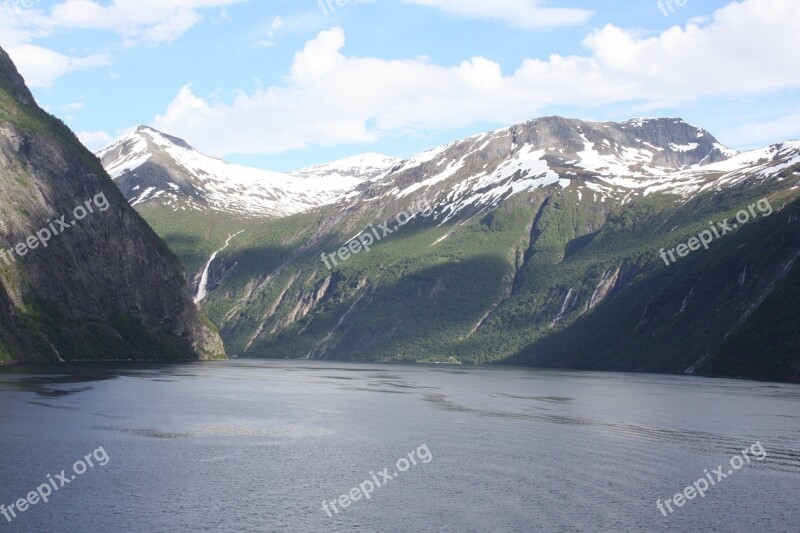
x,y
542,249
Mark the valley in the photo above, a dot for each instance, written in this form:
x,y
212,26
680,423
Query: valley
x,y
537,232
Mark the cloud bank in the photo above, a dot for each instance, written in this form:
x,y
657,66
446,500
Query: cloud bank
x,y
331,98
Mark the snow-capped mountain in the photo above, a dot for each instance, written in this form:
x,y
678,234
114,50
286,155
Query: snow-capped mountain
x,y
608,161
613,162
353,170
605,157
153,167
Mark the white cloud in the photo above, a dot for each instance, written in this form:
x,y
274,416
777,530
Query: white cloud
x,y
137,21
94,140
518,13
150,21
41,66
330,98
38,65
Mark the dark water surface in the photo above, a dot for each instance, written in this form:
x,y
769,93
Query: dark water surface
x,y
257,446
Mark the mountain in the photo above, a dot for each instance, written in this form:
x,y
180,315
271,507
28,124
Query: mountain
x,y
82,276
152,167
350,171
617,162
541,244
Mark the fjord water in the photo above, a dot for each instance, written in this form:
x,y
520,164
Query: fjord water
x,y
257,446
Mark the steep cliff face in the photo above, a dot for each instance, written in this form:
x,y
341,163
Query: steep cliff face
x,y
82,277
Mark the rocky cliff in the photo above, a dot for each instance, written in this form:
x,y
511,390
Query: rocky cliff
x,y
82,276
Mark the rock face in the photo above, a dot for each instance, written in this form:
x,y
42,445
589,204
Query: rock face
x,y
91,280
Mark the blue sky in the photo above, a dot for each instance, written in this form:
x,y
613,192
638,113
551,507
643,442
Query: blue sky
x,y
282,84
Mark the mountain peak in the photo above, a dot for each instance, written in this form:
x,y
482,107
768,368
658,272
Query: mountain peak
x,y
162,138
151,135
638,121
150,166
353,169
665,142
616,160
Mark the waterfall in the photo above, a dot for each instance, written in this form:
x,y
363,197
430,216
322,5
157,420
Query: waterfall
x,y
604,287
60,359
202,289
565,308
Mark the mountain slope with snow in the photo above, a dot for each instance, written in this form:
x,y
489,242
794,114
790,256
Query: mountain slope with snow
x,y
603,160
607,162
349,172
153,167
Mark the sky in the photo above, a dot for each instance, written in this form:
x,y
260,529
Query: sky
x,y
284,84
